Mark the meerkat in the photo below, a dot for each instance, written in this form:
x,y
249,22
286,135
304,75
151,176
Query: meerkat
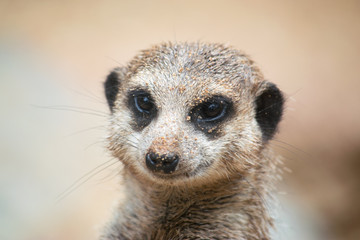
x,y
191,123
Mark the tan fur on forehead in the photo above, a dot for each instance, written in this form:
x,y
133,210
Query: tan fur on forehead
x,y
201,61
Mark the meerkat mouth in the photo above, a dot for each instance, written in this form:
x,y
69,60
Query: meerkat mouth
x,y
175,174
182,173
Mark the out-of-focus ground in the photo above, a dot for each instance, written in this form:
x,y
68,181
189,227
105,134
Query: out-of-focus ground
x,y
54,56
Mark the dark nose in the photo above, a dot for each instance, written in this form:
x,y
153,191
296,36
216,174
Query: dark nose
x,y
166,163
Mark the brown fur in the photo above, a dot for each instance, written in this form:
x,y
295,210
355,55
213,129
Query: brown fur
x,y
221,187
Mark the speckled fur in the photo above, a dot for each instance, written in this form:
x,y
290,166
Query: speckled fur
x,y
221,186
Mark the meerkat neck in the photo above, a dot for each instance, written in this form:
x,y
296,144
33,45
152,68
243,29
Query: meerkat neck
x,y
236,198
163,192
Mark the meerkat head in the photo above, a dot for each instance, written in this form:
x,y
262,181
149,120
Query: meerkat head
x,y
196,112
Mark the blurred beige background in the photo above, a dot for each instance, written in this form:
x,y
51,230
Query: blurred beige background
x,y
54,56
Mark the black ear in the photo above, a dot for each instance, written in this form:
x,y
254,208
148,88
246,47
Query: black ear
x,y
111,86
269,109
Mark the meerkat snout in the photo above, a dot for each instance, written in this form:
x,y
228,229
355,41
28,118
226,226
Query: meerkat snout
x,y
165,163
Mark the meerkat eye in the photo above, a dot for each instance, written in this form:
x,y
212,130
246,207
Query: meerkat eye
x,y
143,108
208,115
143,103
212,110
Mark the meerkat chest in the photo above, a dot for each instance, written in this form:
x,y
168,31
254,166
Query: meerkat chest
x,y
199,220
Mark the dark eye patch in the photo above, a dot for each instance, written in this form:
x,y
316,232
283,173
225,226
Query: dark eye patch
x,y
208,115
143,108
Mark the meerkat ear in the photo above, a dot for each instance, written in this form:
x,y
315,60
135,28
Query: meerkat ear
x,y
269,109
112,85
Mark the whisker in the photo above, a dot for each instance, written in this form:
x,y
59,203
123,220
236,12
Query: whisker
x,y
84,130
83,179
286,149
89,95
132,145
114,60
74,109
293,147
128,141
108,177
92,144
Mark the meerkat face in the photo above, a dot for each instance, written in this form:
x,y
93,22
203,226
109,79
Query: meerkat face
x,y
190,111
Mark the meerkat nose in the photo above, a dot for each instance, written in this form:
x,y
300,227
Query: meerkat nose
x,y
165,163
